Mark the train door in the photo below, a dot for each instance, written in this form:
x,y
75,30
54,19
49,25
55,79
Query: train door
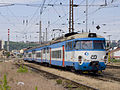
x,y
33,55
69,53
43,58
45,54
73,52
41,55
48,55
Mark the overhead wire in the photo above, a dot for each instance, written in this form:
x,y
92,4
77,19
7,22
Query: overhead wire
x,y
7,19
32,24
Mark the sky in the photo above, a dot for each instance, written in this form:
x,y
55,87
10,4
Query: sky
x,y
22,18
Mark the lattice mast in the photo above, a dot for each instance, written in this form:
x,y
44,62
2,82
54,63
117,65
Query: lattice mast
x,y
71,17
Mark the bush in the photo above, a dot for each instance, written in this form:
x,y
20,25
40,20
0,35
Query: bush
x,y
7,54
4,85
36,88
59,81
22,69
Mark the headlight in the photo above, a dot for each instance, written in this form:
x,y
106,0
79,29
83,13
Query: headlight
x,y
80,59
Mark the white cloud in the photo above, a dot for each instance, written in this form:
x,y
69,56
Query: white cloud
x,y
18,1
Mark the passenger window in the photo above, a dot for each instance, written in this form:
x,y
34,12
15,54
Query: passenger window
x,y
47,50
38,54
44,51
56,54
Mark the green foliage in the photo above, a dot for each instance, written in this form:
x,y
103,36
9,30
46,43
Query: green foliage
x,y
20,45
22,69
4,85
7,54
115,60
69,86
59,81
36,88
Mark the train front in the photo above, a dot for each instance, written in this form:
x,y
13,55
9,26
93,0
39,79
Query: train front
x,y
90,54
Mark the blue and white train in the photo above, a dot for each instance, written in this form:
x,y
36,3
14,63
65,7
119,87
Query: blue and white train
x,y
81,51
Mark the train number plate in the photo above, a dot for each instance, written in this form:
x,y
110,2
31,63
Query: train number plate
x,y
93,56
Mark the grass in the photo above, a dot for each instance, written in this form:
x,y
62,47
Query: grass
x,y
69,86
36,88
59,81
115,60
22,69
4,85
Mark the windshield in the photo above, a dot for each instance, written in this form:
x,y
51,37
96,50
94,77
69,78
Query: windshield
x,y
86,45
89,45
99,45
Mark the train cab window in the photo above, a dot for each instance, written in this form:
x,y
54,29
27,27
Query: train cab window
x,y
77,45
99,44
86,45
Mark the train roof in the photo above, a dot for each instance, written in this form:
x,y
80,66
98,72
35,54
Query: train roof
x,y
69,36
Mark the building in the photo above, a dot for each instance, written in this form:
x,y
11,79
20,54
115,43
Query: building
x,y
2,43
115,53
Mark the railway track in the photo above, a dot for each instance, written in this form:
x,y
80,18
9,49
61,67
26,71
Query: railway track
x,y
72,85
113,67
105,76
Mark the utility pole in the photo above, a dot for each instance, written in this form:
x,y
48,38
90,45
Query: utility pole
x,y
46,34
40,32
109,37
8,40
43,36
86,15
105,2
109,40
71,17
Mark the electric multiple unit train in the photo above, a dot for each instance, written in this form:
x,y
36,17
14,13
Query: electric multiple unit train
x,y
81,51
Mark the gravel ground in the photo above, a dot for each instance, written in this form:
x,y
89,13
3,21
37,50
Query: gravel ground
x,y
113,72
26,81
99,84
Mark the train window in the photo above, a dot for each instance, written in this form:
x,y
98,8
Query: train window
x,y
66,46
47,50
56,54
77,45
29,55
33,51
24,55
69,45
44,51
38,54
99,44
86,45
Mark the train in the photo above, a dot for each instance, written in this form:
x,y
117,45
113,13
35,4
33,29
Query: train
x,y
78,51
